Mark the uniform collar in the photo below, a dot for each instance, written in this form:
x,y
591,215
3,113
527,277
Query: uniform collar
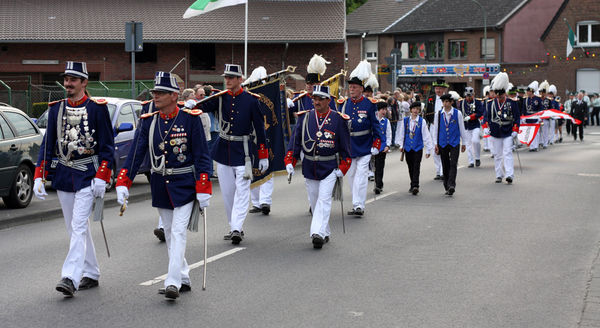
x,y
319,115
236,94
170,116
78,102
359,100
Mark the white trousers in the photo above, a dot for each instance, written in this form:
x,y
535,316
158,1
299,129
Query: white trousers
x,y
545,133
160,223
359,180
437,160
81,260
473,145
552,131
503,158
320,196
236,191
486,143
262,194
175,223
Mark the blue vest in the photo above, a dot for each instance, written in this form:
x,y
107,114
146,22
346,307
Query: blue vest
x,y
448,135
416,142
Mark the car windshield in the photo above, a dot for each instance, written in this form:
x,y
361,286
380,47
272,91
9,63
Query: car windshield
x,y
111,109
42,121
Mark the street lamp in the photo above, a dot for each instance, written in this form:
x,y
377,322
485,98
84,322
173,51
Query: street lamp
x,y
484,34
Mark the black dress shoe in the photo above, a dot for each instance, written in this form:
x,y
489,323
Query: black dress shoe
x,y
477,163
66,287
471,165
87,283
317,241
236,237
265,208
372,178
228,236
326,239
171,292
255,209
352,212
438,177
498,180
310,210
359,212
415,191
450,191
509,180
160,234
184,288
377,191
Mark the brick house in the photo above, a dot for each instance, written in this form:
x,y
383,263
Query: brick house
x,y
36,41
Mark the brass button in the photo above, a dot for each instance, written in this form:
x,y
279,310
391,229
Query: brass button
x,y
167,181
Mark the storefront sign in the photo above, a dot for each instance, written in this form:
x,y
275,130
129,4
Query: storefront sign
x,y
448,70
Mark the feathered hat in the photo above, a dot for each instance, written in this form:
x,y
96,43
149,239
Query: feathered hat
x,y
486,90
371,83
454,95
316,68
544,86
361,73
533,86
552,89
258,74
500,83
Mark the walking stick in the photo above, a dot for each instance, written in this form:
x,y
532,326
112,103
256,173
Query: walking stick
x,y
518,157
342,204
205,250
104,235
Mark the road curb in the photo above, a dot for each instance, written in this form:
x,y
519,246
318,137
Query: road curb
x,y
55,213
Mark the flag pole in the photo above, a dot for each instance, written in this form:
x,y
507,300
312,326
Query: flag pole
x,y
246,42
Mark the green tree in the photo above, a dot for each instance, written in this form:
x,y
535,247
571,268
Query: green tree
x,y
351,5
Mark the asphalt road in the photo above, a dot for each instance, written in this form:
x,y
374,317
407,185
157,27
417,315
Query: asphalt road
x,y
493,255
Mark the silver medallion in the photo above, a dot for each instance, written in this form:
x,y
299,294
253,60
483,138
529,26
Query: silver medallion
x,y
319,134
183,147
175,150
181,157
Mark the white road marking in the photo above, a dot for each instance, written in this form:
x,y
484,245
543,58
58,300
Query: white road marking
x,y
460,167
195,265
380,196
595,175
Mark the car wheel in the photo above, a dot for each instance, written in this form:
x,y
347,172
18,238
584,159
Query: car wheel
x,y
22,189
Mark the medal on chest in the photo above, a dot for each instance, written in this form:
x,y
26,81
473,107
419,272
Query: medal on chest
x,y
319,134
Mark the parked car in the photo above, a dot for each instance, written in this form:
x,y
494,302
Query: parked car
x,y
124,116
20,141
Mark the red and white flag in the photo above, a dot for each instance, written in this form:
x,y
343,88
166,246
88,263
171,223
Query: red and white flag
x,y
552,114
527,132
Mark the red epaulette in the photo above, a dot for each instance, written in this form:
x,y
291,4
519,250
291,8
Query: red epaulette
x,y
302,112
194,112
148,115
254,94
146,102
99,101
373,100
301,94
181,103
344,116
55,102
341,100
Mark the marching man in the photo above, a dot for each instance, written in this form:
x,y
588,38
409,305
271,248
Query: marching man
x,y
503,118
239,115
80,133
180,164
366,136
432,108
532,104
472,110
448,130
322,135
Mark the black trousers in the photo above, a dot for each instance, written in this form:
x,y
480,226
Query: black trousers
x,y
595,116
580,128
569,124
449,156
379,166
413,160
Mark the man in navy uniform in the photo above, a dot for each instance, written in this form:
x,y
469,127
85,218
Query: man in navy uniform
x,y
472,110
531,105
448,130
180,167
81,135
366,136
432,108
322,135
503,119
239,115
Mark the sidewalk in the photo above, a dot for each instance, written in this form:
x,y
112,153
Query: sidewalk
x,y
42,210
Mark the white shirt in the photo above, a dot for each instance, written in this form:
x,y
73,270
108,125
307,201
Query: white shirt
x,y
438,104
427,143
448,115
388,132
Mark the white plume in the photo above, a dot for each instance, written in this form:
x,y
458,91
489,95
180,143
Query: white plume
x,y
534,85
362,71
258,74
510,86
486,89
500,82
454,94
317,64
372,82
552,89
544,86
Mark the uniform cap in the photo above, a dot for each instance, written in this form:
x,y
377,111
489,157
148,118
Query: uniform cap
x,y
233,70
321,91
76,69
164,81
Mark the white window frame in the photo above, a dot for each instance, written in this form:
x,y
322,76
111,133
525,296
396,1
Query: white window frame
x,y
490,54
589,25
370,49
450,42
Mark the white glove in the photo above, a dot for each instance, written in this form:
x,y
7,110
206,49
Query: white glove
x,y
374,151
98,187
290,169
122,194
263,165
190,103
338,173
514,134
204,199
486,131
38,189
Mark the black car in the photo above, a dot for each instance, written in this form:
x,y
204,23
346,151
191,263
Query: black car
x,y
20,141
